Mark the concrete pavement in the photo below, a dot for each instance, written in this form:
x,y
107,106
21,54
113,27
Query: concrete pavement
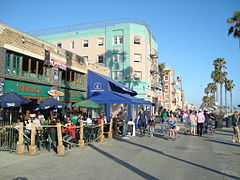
x,y
189,157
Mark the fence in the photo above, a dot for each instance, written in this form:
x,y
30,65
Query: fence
x,y
21,139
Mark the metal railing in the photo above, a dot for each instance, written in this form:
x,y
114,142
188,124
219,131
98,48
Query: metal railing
x,y
92,25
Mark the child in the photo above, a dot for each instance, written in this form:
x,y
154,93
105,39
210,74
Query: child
x,y
193,122
172,126
151,123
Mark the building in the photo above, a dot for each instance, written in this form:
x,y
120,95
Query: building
x,y
126,46
32,67
169,88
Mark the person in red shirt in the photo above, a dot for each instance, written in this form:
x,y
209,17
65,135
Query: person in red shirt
x,y
70,131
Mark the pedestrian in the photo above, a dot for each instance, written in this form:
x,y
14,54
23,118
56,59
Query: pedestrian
x,y
164,116
236,134
200,122
207,121
124,118
142,121
193,122
151,123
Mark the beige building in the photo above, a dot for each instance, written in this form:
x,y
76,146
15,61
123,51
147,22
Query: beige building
x,y
169,88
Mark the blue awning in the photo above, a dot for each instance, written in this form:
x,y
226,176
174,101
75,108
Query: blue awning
x,y
99,83
110,97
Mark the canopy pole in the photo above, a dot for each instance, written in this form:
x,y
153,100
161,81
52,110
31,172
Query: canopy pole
x,y
108,111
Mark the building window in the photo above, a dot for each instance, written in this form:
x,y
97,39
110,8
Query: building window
x,y
72,45
100,59
85,43
16,62
137,75
117,75
166,86
137,40
118,40
8,60
166,78
117,58
59,45
100,41
137,57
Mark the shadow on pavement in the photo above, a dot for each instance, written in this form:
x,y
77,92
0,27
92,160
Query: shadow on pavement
x,y
225,134
222,142
224,130
123,163
20,178
179,159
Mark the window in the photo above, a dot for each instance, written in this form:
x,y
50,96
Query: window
x,y
117,58
100,41
166,86
8,60
85,43
117,75
137,40
100,59
137,57
118,40
137,75
59,45
166,78
16,62
72,45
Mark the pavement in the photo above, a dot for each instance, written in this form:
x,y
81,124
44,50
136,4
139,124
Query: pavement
x,y
186,158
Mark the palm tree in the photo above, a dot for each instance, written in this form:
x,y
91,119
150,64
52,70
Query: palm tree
x,y
219,77
229,86
235,28
207,90
219,64
212,100
213,88
161,68
205,102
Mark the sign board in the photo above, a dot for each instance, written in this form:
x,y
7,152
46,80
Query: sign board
x,y
55,93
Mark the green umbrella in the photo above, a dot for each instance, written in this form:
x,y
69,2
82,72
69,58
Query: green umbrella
x,y
87,104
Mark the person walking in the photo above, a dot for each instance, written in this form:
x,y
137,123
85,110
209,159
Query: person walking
x,y
207,121
164,116
142,121
124,117
151,123
200,121
236,134
193,122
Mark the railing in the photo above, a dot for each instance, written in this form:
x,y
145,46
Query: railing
x,y
53,137
93,25
42,78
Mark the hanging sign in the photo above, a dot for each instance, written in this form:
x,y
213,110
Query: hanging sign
x,y
55,93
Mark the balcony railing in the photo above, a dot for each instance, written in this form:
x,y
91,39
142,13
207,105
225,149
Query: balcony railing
x,y
42,78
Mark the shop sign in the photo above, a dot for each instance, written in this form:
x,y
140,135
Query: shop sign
x,y
29,89
55,93
97,87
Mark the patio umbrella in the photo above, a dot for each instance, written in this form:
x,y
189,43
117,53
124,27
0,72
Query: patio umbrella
x,y
87,104
51,103
12,100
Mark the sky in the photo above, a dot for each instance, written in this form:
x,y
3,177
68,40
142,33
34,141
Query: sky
x,y
190,34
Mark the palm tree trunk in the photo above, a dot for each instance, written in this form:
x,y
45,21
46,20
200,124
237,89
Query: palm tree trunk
x,y
216,95
226,110
231,99
221,95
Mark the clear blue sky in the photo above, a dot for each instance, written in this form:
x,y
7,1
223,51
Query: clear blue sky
x,y
190,33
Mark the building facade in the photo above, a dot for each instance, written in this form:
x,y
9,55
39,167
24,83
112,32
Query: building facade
x,y
31,67
126,46
169,88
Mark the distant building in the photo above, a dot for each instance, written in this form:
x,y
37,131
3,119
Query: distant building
x,y
126,46
169,89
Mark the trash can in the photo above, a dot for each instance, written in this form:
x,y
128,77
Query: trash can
x,y
219,121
